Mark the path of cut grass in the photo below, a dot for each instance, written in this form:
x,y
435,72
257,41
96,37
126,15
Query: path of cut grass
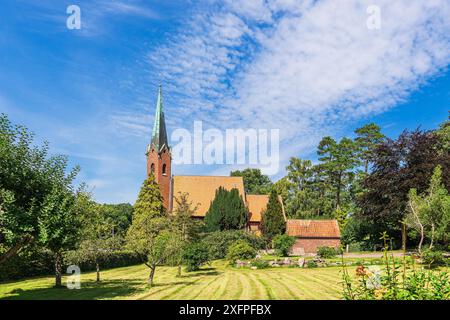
x,y
216,282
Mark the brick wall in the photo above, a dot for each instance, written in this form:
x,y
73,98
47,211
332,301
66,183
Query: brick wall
x,y
311,245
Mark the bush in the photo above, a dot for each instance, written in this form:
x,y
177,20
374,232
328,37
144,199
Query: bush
x,y
311,264
326,252
36,261
29,262
240,250
219,241
260,264
194,256
433,258
282,244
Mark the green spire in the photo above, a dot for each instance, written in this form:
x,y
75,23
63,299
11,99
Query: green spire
x,y
159,134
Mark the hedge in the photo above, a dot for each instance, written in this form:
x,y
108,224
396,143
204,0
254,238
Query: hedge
x,y
218,242
39,262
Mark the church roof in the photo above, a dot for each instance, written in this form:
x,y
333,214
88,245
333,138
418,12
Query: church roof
x,y
257,204
202,189
313,228
159,133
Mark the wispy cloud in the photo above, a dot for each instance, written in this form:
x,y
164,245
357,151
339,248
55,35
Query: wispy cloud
x,y
306,67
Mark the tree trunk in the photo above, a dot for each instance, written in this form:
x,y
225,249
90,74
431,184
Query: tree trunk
x,y
403,236
58,267
366,167
422,236
97,268
432,236
179,271
152,274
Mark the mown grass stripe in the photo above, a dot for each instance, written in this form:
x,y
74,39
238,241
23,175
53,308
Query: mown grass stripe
x,y
314,291
269,292
276,278
203,288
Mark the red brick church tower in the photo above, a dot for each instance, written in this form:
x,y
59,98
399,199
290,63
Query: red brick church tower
x,y
158,154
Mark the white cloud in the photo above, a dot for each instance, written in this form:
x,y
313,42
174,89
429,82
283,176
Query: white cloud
x,y
306,67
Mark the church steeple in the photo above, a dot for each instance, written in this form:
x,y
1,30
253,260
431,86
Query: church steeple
x,y
159,133
159,159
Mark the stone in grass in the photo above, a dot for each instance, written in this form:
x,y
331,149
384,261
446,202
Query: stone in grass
x,y
301,262
240,264
254,267
287,262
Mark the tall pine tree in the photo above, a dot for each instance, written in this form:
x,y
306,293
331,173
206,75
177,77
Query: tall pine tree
x,y
149,221
272,222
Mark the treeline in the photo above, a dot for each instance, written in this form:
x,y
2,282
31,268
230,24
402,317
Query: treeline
x,y
46,223
363,182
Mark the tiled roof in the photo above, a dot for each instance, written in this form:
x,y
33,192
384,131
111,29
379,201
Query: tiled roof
x,y
257,204
202,189
313,228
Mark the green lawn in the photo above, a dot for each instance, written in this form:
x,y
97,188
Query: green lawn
x,y
217,282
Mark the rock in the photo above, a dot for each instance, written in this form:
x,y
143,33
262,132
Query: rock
x,y
254,267
301,262
287,262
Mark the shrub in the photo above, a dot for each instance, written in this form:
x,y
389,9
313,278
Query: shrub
x,y
326,252
433,258
311,264
240,250
194,256
374,283
260,264
282,244
219,241
37,261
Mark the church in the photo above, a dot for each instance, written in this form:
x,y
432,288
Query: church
x,y
201,192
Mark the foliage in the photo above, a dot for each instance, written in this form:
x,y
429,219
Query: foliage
x,y
182,217
429,214
339,159
283,243
227,211
98,239
399,166
272,221
394,283
195,255
28,262
443,134
118,217
433,258
149,221
326,252
32,185
219,241
260,264
368,138
254,181
311,264
240,250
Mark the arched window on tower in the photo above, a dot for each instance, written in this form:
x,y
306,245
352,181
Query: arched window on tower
x,y
164,169
152,168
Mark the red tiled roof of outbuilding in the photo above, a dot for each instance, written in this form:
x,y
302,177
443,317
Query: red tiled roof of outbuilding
x,y
313,228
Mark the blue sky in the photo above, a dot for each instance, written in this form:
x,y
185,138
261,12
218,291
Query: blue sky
x,y
308,68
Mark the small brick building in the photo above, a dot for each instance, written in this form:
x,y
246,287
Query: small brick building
x,y
312,234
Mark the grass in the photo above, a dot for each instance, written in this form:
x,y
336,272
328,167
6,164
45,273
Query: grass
x,y
219,281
